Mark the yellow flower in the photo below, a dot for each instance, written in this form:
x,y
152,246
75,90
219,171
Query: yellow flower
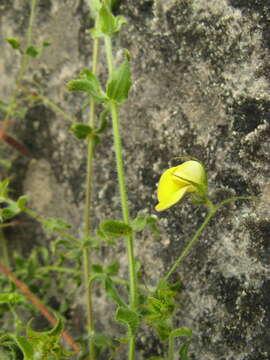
x,y
179,180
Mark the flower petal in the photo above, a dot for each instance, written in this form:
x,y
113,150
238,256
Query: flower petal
x,y
168,185
172,199
191,170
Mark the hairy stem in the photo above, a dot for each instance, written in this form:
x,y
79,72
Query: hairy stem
x,y
123,196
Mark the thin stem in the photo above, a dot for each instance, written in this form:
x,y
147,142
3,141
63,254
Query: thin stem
x,y
196,236
171,348
123,196
56,108
87,209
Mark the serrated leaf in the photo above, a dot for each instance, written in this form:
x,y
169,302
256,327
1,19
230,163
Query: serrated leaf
x,y
129,318
119,83
113,293
32,51
115,229
80,130
15,43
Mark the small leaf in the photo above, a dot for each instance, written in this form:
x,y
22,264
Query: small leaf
x,y
183,351
112,269
15,43
113,293
106,21
89,83
95,6
119,83
52,224
102,340
103,121
11,298
115,229
183,331
46,43
96,268
129,318
26,347
32,51
80,130
21,202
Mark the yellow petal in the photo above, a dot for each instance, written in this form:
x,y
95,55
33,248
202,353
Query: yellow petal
x,y
191,171
173,199
167,185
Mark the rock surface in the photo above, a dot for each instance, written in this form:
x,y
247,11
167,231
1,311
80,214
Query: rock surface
x,y
201,88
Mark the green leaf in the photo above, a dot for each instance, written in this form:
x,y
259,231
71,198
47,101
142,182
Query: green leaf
x,y
106,21
46,43
52,224
102,340
11,298
10,211
26,347
21,202
114,229
95,6
103,121
96,268
183,331
113,293
140,223
80,130
15,43
183,351
89,83
112,269
4,189
32,51
129,318
119,83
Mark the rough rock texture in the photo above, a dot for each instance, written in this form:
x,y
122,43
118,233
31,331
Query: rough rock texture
x,y
201,88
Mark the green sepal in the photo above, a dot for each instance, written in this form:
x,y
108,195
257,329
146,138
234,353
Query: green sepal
x,y
15,43
32,51
114,229
81,130
119,83
129,318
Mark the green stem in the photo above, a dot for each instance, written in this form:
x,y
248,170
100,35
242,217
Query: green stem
x,y
196,236
123,196
87,210
212,210
171,348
